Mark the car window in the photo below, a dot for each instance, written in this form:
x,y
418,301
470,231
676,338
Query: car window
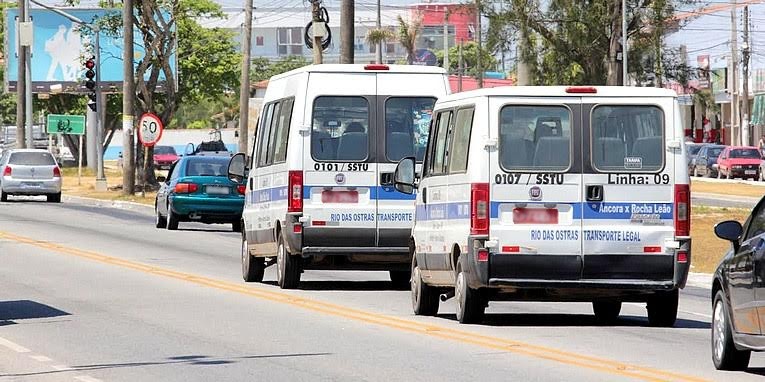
x,y
533,138
458,154
756,223
407,123
164,150
340,129
175,171
714,152
628,138
263,134
694,149
32,159
207,167
439,151
745,153
279,144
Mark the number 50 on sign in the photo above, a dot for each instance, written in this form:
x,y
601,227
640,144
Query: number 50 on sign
x,y
149,129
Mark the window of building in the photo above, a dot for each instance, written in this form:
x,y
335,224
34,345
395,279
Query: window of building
x,y
289,41
259,40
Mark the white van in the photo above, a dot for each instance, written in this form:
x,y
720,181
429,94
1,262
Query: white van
x,y
320,189
555,194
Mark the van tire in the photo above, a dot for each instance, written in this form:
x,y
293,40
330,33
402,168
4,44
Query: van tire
x,y
236,226
606,312
253,267
471,303
727,357
400,279
172,219
662,309
287,266
425,298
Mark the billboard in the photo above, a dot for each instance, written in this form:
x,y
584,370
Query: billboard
x,y
58,49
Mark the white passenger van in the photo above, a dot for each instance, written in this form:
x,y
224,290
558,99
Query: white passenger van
x,y
555,194
320,191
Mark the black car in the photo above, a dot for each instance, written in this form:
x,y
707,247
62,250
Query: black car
x,y
705,162
738,293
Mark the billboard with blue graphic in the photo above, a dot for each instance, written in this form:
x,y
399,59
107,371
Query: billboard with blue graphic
x,y
58,48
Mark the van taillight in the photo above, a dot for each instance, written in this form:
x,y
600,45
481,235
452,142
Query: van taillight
x,y
479,209
376,67
581,90
682,210
295,190
8,171
56,172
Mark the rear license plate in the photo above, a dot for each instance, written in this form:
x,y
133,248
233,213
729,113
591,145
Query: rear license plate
x,y
217,190
535,216
340,197
31,184
750,172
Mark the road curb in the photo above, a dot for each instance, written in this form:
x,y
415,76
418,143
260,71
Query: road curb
x,y
728,181
119,204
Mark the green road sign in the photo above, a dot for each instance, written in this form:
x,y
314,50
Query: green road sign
x,y
66,124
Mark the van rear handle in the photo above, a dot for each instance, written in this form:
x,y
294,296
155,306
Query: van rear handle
x,y
595,193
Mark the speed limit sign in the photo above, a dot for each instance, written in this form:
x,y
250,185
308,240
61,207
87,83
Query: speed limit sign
x,y
149,129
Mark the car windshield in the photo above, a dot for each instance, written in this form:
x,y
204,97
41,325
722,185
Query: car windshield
x,y
693,149
164,150
207,167
745,153
32,159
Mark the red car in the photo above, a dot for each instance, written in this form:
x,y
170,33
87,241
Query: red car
x,y
164,157
739,162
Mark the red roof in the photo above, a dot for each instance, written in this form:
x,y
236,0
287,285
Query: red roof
x,y
470,83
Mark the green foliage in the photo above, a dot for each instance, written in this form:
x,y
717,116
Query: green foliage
x,y
198,125
407,36
262,69
469,59
7,100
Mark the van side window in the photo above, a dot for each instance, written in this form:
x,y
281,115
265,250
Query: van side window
x,y
278,145
439,151
340,129
407,121
263,134
627,138
272,134
535,138
460,141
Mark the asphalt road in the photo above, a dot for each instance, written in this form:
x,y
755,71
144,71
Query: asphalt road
x,y
92,293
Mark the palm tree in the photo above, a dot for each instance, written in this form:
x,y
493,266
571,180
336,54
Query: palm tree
x,y
378,36
407,36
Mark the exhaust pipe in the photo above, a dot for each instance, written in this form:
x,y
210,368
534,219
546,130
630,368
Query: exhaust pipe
x,y
447,295
194,216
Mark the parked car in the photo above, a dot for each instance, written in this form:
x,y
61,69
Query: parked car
x,y
29,172
705,162
738,292
164,157
197,189
692,149
739,162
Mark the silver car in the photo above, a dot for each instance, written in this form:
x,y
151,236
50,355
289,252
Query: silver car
x,y
29,172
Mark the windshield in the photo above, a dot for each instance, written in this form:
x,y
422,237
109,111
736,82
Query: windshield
x,y
164,150
207,167
745,153
32,159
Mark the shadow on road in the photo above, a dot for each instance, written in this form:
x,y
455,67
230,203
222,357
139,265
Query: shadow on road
x,y
25,310
756,371
564,320
344,285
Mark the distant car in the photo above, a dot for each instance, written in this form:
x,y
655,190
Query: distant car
x,y
198,190
29,172
693,150
164,157
739,162
705,162
738,292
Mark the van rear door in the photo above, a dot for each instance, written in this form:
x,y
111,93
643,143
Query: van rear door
x,y
536,188
629,181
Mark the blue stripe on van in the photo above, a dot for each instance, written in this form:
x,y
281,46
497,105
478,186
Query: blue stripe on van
x,y
601,210
376,192
267,195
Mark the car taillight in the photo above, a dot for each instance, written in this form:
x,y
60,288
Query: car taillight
x,y
186,188
295,190
8,171
479,209
56,172
682,210
241,189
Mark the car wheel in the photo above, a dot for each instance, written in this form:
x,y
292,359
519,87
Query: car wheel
x,y
172,219
236,226
253,267
762,179
54,198
160,221
662,309
470,302
424,297
400,279
287,266
606,312
3,196
728,175
709,173
724,353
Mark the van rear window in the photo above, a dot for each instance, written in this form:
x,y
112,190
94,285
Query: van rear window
x,y
407,124
535,138
340,129
628,138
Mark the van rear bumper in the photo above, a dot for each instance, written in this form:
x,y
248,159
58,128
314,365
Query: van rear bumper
x,y
642,285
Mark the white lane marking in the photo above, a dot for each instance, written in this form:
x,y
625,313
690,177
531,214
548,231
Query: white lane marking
x,y
13,346
40,358
61,367
85,378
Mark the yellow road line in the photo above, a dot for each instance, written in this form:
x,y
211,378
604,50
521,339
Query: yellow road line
x,y
527,349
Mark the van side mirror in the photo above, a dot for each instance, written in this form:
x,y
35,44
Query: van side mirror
x,y
730,230
237,168
404,177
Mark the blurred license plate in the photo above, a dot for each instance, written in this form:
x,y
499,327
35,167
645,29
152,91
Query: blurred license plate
x,y
31,184
750,172
340,197
535,216
217,190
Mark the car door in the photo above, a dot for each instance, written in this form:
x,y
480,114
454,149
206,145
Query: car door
x,y
741,274
700,162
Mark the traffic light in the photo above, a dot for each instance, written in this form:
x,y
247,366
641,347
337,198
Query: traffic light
x,y
90,82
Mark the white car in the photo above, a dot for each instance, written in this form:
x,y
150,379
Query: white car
x,y
29,172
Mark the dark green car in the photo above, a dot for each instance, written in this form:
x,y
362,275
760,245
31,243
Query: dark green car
x,y
198,190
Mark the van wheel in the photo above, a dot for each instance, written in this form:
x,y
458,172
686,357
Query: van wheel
x,y
160,221
236,226
400,279
471,303
287,266
424,297
253,267
606,312
724,353
172,219
662,309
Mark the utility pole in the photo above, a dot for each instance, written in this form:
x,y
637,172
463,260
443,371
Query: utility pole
x,y
734,126
378,48
28,82
478,62
244,91
446,40
346,31
317,20
21,87
624,43
128,94
745,91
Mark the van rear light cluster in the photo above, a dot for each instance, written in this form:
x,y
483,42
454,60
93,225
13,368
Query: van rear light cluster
x,y
8,171
483,255
295,190
682,210
479,209
376,67
581,90
682,257
186,188
56,172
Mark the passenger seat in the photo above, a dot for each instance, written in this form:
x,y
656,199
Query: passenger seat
x,y
399,145
323,145
352,146
610,153
650,149
552,152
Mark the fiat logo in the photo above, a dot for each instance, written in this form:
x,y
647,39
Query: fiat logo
x,y
339,178
535,193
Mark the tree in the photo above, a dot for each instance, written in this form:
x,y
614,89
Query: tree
x,y
262,68
469,58
379,36
407,36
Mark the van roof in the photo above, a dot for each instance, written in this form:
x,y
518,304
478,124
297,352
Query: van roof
x,y
360,68
560,91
